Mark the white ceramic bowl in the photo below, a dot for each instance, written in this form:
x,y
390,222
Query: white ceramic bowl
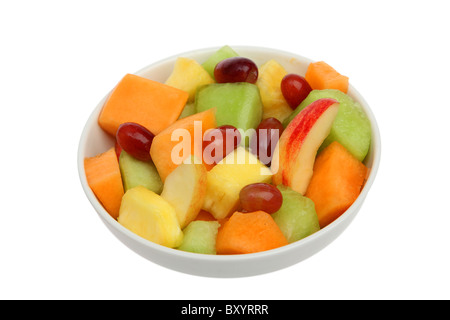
x,y
94,140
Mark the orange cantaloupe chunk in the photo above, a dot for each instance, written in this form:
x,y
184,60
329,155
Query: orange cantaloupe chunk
x,y
321,76
163,143
336,182
137,99
104,179
248,233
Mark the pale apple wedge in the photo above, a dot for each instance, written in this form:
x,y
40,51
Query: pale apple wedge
x,y
185,190
296,150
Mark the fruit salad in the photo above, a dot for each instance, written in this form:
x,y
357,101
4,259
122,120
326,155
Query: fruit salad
x,y
230,157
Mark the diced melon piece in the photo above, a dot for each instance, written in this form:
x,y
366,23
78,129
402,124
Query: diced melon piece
x,y
103,177
269,83
336,182
297,217
238,104
139,173
228,177
188,75
249,233
221,54
151,217
137,99
320,76
163,143
200,237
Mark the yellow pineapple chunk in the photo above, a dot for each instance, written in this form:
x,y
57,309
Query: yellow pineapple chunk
x,y
188,75
228,177
148,215
269,83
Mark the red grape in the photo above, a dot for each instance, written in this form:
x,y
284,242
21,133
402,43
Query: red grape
x,y
135,140
267,134
236,69
220,142
118,149
260,196
295,89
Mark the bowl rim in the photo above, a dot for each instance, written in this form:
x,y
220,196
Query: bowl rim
x,y
348,214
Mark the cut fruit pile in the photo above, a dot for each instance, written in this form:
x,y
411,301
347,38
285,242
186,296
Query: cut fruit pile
x,y
227,157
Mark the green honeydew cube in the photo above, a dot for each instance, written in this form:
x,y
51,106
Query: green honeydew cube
x,y
139,173
297,216
237,104
200,237
221,54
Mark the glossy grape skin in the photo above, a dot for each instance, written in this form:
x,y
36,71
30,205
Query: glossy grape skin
x,y
218,139
135,140
295,89
236,69
260,196
266,139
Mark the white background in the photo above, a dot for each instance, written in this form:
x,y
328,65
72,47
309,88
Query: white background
x,y
59,58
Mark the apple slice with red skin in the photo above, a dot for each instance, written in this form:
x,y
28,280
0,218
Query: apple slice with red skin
x,y
296,150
